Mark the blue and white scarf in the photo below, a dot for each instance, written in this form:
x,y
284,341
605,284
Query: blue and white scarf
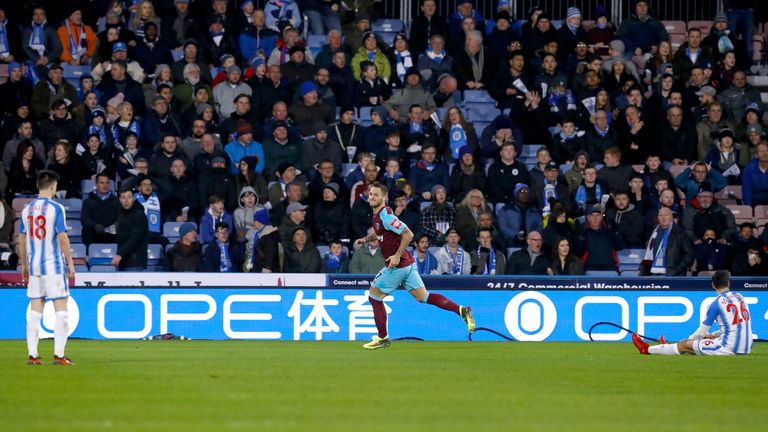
x,y
225,265
438,57
37,38
76,48
332,262
457,261
658,257
255,241
133,126
581,195
724,43
549,191
458,139
4,45
100,130
372,56
489,267
152,210
416,128
403,61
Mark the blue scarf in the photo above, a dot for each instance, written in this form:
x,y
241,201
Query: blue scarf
x,y
37,39
458,139
489,268
423,266
457,261
255,241
152,209
549,191
76,48
601,133
133,126
371,55
658,257
225,265
724,43
438,57
4,46
101,130
581,195
572,28
416,128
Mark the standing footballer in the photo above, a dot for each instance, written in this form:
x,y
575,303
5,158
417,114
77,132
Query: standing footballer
x,y
394,237
43,249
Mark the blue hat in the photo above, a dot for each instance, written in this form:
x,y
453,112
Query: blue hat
x,y
13,66
261,216
573,11
186,228
307,87
119,46
245,2
257,61
502,4
519,187
465,150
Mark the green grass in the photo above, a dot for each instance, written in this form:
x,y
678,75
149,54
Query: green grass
x,y
412,386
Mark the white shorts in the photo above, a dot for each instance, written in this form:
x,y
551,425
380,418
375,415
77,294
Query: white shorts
x,y
52,287
710,347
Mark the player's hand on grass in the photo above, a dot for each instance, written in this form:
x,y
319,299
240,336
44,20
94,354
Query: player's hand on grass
x,y
393,261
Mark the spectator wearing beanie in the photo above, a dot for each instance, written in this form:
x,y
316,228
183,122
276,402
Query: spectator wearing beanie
x,y
243,145
186,255
310,109
640,32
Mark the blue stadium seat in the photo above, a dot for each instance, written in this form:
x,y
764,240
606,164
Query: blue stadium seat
x,y
168,247
387,25
628,269
177,55
82,268
424,204
433,249
631,256
317,41
73,74
72,206
499,206
602,273
529,150
78,250
101,254
103,269
482,112
364,116
74,230
323,249
171,229
347,168
388,37
441,112
471,96
154,254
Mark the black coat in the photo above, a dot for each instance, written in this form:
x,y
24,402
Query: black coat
x,y
132,235
331,222
679,254
179,260
266,255
133,93
519,263
462,68
212,257
96,215
422,29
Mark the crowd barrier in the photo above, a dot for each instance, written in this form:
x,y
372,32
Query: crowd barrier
x,y
335,307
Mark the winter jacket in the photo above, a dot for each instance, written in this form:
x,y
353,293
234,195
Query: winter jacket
x,y
519,263
237,151
331,221
212,257
643,34
696,220
306,260
679,254
343,266
510,219
383,68
184,259
364,263
735,101
424,180
629,223
208,225
597,248
690,187
754,184
132,235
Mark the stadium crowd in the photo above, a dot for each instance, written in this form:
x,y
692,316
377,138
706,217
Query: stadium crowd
x,y
509,147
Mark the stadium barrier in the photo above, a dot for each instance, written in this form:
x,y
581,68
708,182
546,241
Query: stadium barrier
x,y
335,307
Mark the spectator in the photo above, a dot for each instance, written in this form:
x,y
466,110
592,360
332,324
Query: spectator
x,y
280,115
749,257
574,175
603,33
280,148
361,218
257,38
710,255
536,174
223,255
331,216
530,260
78,41
149,200
242,114
512,82
407,212
219,41
456,132
552,190
598,242
359,189
279,12
691,53
669,251
132,234
724,157
215,214
298,68
570,32
15,91
285,192
558,225
224,95
186,255
247,177
311,109
63,162
24,132
755,179
181,201
412,93
541,32
678,138
394,161
452,259
40,41
52,89
627,219
295,217
23,173
244,216
119,82
161,122
334,45
505,175
151,51
723,40
708,128
243,146
487,260
96,159
371,89
614,175
600,137
467,213
190,55
690,180
58,125
434,61
426,262
367,259
474,66
637,136
341,78
301,256
518,219
437,218
563,261
640,32
428,173
467,175
335,260
99,213
282,53
425,26
167,152
261,246
736,98
119,52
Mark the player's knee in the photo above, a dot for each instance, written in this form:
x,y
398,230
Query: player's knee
x,y
376,294
421,297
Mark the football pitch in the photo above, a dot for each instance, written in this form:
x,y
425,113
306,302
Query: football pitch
x,y
412,386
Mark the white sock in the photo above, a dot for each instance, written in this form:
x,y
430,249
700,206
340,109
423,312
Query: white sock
x,y
60,333
664,349
33,332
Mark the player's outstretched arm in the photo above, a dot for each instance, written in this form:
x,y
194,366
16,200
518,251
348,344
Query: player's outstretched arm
x,y
65,247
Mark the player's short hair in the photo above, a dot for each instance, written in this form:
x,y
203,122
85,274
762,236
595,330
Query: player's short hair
x,y
380,186
213,199
721,279
46,178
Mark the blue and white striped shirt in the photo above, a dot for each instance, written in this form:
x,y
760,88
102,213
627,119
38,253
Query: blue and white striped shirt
x,y
42,220
731,313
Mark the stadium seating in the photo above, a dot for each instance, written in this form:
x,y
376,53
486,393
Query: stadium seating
x,y
704,26
387,25
347,168
101,254
730,192
74,230
511,250
103,268
482,112
73,74
73,207
675,27
741,212
18,205
79,254
364,116
478,96
154,254
388,37
602,273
